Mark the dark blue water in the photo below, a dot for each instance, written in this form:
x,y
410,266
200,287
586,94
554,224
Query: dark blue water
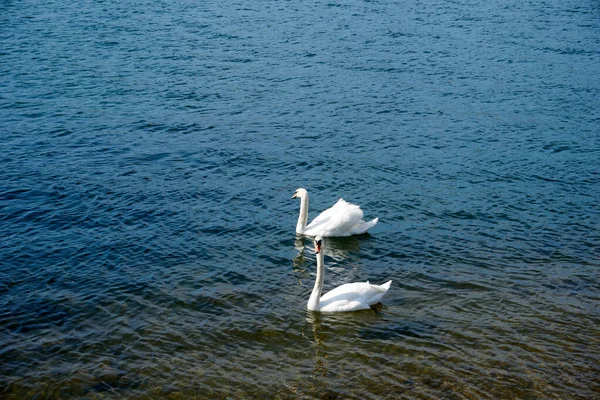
x,y
150,150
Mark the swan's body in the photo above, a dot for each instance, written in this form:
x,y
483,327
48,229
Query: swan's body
x,y
348,297
343,219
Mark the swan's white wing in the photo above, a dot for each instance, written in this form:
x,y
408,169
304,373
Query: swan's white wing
x,y
338,220
326,215
363,226
352,297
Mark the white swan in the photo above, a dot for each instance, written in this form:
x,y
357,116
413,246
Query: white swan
x,y
348,297
343,219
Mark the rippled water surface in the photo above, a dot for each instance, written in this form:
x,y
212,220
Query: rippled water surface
x,y
150,149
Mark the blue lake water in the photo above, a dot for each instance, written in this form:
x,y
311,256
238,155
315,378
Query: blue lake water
x,y
149,150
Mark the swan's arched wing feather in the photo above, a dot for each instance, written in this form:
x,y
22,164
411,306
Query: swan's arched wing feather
x,y
363,226
325,216
338,220
351,297
320,219
343,221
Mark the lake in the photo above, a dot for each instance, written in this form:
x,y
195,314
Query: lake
x,y
150,150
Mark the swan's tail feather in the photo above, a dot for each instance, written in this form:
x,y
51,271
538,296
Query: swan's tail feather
x,y
364,227
386,285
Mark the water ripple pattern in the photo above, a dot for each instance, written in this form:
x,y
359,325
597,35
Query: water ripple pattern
x,y
150,149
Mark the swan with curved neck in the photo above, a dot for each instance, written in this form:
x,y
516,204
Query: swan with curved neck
x,y
343,219
348,297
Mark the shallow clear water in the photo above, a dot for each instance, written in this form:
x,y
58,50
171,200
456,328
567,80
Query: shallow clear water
x,y
150,150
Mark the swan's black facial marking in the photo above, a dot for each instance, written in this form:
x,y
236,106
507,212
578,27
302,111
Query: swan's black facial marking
x,y
318,244
295,194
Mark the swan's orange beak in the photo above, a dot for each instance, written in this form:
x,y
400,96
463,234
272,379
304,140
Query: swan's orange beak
x,y
317,247
294,196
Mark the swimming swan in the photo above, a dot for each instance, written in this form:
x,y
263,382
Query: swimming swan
x,y
348,297
343,219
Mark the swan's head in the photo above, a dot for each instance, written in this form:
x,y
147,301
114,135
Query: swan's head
x,y
299,193
318,244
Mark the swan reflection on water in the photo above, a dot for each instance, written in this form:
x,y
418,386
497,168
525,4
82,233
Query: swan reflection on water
x,y
334,325
314,319
337,248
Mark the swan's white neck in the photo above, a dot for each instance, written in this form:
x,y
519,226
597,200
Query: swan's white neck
x,y
315,296
303,217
